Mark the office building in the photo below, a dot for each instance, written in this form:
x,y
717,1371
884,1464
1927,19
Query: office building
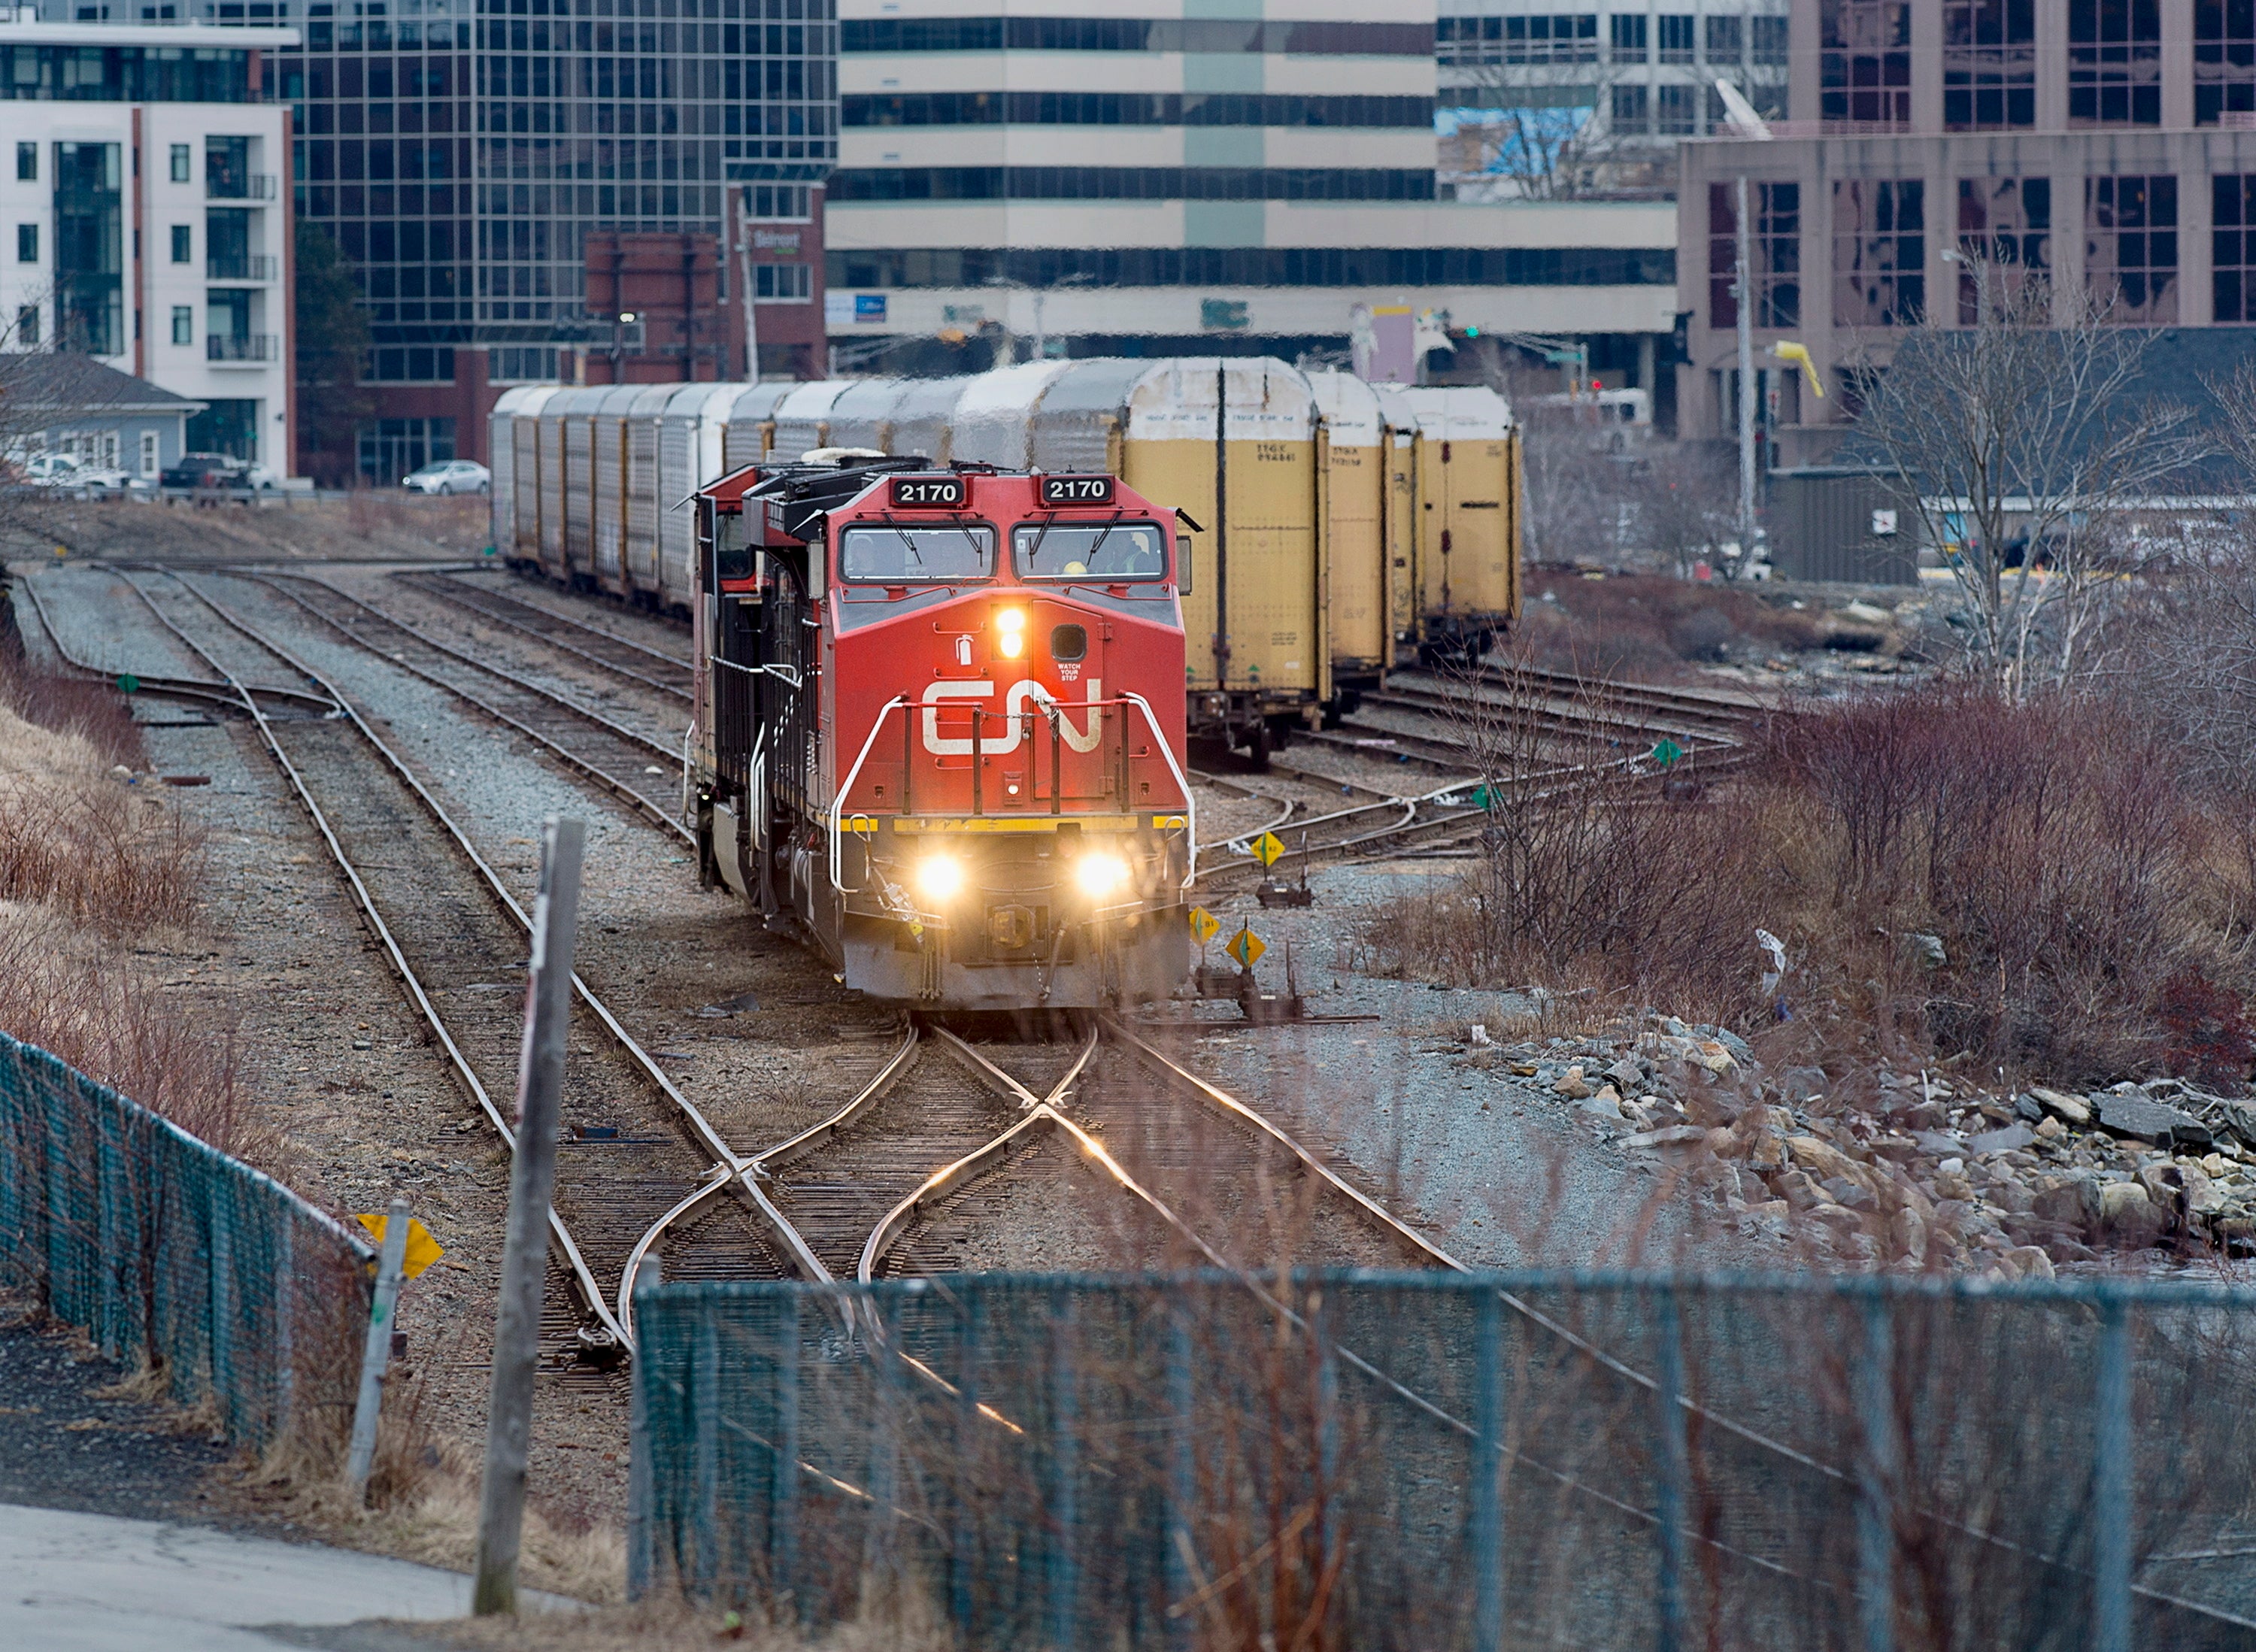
x,y
145,227
1188,179
1536,100
464,152
2111,147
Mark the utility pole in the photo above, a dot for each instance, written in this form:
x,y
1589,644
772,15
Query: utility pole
x,y
532,1185
1745,291
744,264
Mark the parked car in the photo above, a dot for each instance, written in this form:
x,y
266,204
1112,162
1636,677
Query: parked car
x,y
190,469
449,475
110,484
51,471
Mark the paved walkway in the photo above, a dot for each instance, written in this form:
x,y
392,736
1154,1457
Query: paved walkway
x,y
97,1583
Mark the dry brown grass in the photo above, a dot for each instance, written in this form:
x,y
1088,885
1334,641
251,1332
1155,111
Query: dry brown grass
x,y
1649,626
2095,911
667,1623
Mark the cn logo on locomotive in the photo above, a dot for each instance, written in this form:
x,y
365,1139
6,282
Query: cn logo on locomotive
x,y
1022,695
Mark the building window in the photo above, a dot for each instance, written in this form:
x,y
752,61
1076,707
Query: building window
x,y
1675,110
1768,36
1989,64
181,243
149,459
1630,110
1558,38
184,324
1880,252
230,425
1724,39
2114,63
180,163
27,324
1776,250
780,201
2007,223
2131,248
1629,37
1863,61
409,364
2223,59
2233,246
391,448
522,364
27,162
1677,36
783,282
27,244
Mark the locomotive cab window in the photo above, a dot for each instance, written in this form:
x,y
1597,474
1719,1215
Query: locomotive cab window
x,y
1112,553
890,553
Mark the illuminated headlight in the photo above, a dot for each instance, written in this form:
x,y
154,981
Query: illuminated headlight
x,y
1100,874
1011,633
938,879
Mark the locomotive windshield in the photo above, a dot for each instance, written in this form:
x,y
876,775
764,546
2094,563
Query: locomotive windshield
x,y
901,554
1115,552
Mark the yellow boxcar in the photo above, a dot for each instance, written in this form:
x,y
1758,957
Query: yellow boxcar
x,y
1468,515
1358,612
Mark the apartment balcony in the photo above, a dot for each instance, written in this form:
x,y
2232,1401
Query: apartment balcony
x,y
251,349
242,266
239,186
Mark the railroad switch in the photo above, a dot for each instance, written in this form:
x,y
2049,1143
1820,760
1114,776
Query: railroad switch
x,y
1243,988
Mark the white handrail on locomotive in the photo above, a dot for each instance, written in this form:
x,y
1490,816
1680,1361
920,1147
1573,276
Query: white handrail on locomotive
x,y
1125,697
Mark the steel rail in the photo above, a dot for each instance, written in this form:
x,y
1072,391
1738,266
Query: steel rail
x,y
686,1109
947,1178
466,599
188,688
659,655
759,1165
563,753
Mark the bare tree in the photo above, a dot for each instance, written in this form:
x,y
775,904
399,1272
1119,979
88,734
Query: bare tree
x,y
1539,139
2021,445
1574,485
1685,496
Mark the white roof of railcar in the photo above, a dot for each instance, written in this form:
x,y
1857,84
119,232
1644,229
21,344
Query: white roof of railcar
x,y
574,399
1268,400
922,415
1349,407
995,413
703,401
526,399
618,399
756,402
1461,412
862,417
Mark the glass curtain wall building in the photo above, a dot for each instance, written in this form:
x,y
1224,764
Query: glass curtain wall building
x,y
462,151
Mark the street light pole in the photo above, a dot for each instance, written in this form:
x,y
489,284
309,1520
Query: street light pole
x,y
1745,289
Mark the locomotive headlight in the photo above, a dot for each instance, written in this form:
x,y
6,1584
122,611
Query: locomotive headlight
x,y
1011,633
1100,874
939,878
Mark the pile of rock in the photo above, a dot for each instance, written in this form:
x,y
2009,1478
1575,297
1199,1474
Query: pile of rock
x,y
1937,1172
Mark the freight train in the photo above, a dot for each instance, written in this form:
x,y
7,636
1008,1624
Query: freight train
x,y
1341,528
939,726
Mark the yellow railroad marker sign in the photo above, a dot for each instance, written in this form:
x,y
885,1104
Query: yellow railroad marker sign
x,y
422,1249
1268,849
1204,925
1247,947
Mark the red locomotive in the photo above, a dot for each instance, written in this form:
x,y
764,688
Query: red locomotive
x,y
940,725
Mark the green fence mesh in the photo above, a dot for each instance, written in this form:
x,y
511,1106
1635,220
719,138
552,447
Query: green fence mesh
x,y
1430,1461
165,1250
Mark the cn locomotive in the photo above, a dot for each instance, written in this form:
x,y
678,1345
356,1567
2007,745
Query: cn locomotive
x,y
940,726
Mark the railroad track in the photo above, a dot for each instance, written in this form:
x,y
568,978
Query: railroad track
x,y
456,937
622,656
640,769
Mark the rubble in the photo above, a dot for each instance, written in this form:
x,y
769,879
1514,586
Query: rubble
x,y
1935,1171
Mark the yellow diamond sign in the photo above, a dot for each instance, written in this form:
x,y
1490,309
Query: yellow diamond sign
x,y
1204,925
422,1249
1268,849
1247,947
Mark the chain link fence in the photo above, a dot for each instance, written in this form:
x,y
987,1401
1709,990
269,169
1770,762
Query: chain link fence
x,y
169,1254
1430,1461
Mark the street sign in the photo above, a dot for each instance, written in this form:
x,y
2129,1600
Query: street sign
x,y
1268,849
422,1249
1247,947
1667,751
1204,925
129,684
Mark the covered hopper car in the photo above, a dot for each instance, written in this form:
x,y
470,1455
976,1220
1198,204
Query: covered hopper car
x,y
939,726
1341,528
